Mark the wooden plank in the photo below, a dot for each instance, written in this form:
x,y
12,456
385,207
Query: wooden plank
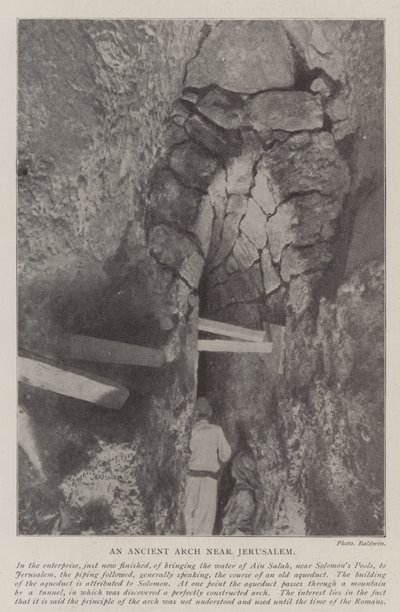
x,y
88,348
234,346
233,331
80,385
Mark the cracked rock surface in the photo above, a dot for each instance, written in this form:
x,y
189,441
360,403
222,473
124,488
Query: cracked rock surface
x,y
265,60
291,111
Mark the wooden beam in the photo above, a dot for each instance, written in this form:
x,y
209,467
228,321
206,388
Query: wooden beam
x,y
88,348
232,331
72,383
234,346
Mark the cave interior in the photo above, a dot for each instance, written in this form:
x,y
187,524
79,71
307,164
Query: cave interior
x,y
239,178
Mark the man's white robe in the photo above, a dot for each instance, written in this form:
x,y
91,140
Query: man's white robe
x,y
209,448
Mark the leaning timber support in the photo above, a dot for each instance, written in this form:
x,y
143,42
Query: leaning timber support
x,y
72,383
89,348
232,331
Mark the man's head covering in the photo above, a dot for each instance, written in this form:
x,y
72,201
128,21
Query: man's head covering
x,y
203,408
244,470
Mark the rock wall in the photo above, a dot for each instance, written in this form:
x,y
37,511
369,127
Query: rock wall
x,y
93,103
248,204
93,99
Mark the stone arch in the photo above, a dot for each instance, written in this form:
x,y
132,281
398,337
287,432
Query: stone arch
x,y
251,197
274,179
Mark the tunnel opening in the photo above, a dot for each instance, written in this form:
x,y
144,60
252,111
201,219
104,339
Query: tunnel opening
x,y
226,380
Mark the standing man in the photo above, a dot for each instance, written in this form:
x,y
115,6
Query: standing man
x,y
209,449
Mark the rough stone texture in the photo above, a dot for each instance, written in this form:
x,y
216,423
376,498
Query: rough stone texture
x,y
302,221
179,113
243,57
350,55
243,286
253,225
235,211
224,109
241,169
302,291
231,265
300,186
322,87
368,229
308,162
271,278
217,141
245,252
264,192
174,250
291,111
174,134
193,166
340,422
340,50
218,198
296,261
203,227
280,232
93,97
170,201
189,96
240,174
219,275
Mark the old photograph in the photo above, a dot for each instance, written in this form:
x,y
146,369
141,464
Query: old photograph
x,y
201,281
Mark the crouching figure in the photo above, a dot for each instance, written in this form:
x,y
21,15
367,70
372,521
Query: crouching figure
x,y
240,511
